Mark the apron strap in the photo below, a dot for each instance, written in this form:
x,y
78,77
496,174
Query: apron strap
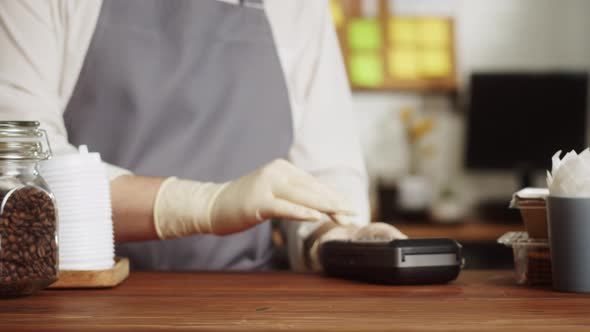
x,y
259,4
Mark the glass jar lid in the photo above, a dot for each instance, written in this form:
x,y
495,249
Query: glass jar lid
x,y
23,140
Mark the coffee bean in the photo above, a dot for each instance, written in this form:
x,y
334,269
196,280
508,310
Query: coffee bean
x,y
28,228
41,252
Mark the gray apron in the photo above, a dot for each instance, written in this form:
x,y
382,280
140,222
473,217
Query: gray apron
x,y
184,88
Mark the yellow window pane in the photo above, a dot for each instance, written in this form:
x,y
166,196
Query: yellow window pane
x,y
364,34
337,13
403,31
436,63
435,32
366,70
403,63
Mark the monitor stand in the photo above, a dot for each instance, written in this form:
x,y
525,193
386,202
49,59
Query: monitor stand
x,y
525,177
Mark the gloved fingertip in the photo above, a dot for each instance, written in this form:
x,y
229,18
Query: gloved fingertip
x,y
345,211
313,215
325,217
399,235
340,219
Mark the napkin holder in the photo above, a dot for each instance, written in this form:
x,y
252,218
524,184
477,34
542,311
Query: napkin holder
x,y
531,202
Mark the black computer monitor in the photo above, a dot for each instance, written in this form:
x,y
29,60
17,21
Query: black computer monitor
x,y
517,121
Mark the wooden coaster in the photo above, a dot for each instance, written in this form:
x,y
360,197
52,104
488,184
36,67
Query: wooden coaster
x,y
94,279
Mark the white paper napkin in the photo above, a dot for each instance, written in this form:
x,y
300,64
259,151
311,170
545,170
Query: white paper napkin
x,y
570,175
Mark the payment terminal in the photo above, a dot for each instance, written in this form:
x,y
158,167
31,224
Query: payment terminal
x,y
398,262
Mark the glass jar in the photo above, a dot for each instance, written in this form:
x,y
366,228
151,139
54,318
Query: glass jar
x,y
28,216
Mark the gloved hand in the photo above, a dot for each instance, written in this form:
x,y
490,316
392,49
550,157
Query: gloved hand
x,y
276,190
376,231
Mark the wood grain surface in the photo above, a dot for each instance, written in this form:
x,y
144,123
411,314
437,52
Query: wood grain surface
x,y
465,232
482,301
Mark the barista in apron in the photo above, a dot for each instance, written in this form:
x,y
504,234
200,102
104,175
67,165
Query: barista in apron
x,y
192,89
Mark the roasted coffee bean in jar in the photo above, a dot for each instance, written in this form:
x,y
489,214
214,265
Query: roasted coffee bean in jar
x,y
28,217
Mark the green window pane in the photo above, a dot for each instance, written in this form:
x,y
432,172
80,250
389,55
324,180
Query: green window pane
x,y
364,34
366,70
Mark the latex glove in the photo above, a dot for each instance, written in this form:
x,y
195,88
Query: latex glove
x,y
376,231
276,190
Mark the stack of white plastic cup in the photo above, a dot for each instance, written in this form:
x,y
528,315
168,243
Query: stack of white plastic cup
x,y
81,187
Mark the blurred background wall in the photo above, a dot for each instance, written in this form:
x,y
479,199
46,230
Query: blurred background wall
x,y
495,35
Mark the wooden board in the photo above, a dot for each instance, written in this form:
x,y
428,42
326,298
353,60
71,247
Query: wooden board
x,y
94,279
482,301
466,232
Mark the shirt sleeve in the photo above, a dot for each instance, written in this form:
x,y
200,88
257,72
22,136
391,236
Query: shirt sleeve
x,y
42,48
326,142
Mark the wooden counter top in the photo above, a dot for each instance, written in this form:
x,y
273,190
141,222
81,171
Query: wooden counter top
x,y
482,301
465,232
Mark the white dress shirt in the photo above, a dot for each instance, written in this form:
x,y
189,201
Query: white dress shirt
x,y
43,45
